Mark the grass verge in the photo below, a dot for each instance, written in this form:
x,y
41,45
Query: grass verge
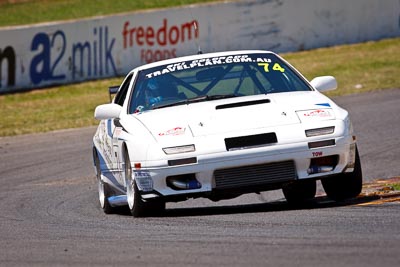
x,y
19,12
358,68
396,187
382,187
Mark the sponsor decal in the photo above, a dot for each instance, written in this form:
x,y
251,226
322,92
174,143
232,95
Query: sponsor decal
x,y
117,132
317,154
316,114
57,57
173,131
320,113
158,42
86,58
262,62
323,104
8,56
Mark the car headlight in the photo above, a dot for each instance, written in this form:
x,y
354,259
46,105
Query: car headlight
x,y
320,131
179,149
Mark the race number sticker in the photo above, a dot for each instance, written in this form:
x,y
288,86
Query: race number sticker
x,y
275,67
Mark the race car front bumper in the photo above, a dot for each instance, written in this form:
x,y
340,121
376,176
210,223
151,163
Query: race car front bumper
x,y
252,170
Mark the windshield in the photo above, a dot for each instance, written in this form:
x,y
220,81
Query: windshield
x,y
213,78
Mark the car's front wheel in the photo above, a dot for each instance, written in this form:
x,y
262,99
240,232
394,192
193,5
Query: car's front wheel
x,y
137,206
300,191
135,202
345,185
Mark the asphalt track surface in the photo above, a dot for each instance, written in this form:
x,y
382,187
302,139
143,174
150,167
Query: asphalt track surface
x,y
50,215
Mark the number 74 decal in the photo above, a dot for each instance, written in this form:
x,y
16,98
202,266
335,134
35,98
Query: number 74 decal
x,y
275,67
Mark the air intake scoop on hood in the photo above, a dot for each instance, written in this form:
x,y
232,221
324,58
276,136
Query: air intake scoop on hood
x,y
243,104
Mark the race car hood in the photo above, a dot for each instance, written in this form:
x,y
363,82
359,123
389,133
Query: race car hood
x,y
231,115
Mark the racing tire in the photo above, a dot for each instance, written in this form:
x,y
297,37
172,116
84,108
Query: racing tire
x,y
103,188
346,185
155,208
300,192
137,206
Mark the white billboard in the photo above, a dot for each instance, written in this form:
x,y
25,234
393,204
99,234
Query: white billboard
x,y
40,55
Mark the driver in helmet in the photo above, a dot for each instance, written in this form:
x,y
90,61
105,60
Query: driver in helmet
x,y
159,89
148,95
155,90
152,92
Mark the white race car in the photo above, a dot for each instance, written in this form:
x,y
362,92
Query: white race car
x,y
220,125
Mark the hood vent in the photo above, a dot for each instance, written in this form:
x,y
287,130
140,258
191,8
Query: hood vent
x,y
250,141
243,104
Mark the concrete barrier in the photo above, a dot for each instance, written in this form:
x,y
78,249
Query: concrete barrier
x,y
41,55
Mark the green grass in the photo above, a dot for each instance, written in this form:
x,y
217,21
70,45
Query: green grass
x,y
35,11
68,106
396,187
358,68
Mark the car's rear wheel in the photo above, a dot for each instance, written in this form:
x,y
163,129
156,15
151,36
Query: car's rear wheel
x,y
103,188
345,185
300,191
137,206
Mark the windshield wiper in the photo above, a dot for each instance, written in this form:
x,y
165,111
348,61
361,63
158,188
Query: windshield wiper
x,y
215,97
195,99
182,102
202,98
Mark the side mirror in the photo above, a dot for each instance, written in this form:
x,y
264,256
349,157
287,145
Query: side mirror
x,y
324,83
107,111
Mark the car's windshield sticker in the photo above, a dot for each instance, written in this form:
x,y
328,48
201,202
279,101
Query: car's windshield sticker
x,y
212,62
276,67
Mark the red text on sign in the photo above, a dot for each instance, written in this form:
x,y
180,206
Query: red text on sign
x,y
165,35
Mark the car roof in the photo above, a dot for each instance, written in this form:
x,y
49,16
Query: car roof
x,y
199,56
